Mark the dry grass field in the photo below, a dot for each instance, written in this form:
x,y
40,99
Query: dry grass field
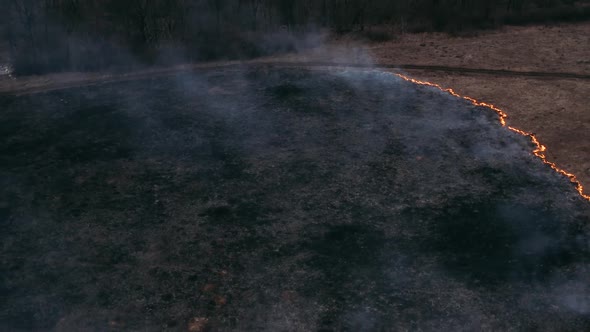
x,y
556,110
284,199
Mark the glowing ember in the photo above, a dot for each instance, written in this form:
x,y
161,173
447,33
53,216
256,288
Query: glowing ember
x,y
539,150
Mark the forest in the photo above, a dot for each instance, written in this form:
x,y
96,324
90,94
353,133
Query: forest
x,y
75,35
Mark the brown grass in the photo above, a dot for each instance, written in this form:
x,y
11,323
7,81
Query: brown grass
x,y
555,110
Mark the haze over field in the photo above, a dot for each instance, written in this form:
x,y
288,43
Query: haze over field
x,y
67,35
281,199
294,165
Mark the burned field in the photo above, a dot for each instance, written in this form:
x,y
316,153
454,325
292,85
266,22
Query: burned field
x,y
281,199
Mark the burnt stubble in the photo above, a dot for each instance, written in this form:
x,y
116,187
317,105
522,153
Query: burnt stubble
x,y
281,199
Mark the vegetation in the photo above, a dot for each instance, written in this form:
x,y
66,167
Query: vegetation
x,y
280,200
53,35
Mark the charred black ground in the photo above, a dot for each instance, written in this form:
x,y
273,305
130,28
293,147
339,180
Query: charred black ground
x,y
281,199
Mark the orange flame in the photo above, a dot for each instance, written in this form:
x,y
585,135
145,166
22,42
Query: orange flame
x,y
539,150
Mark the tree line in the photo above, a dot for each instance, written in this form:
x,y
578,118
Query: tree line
x,y
53,35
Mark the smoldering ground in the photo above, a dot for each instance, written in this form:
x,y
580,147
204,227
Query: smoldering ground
x,y
281,199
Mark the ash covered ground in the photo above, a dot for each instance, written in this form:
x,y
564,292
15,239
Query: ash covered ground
x,y
281,200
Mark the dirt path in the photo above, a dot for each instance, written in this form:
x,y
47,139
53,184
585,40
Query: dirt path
x,y
35,84
38,84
